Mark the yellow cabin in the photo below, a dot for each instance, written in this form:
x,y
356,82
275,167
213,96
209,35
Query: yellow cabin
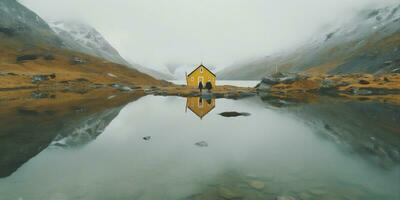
x,y
200,106
200,74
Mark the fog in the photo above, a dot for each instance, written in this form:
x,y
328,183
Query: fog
x,y
176,33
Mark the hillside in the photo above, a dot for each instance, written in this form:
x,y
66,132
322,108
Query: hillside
x,y
30,52
82,37
367,43
20,23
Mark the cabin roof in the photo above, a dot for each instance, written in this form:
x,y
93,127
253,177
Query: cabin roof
x,y
204,114
199,67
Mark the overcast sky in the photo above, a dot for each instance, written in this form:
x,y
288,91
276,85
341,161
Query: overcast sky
x,y
217,32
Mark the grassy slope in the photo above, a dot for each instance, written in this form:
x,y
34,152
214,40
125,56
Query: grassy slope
x,y
95,70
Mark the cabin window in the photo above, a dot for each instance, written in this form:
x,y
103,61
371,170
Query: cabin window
x,y
192,79
201,70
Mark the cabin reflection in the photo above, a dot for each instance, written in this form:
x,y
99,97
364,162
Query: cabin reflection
x,y
200,106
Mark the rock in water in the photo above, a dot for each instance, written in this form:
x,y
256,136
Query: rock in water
x,y
228,193
234,114
256,184
147,138
201,144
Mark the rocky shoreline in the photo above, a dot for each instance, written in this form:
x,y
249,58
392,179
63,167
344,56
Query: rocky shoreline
x,y
367,86
280,85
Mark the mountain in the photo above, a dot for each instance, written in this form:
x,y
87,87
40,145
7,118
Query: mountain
x,y
152,72
82,37
31,52
369,42
23,25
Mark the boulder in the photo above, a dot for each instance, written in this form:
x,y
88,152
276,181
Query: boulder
x,y
7,31
358,91
273,79
39,95
269,80
289,78
363,82
27,57
39,78
77,61
328,84
397,71
122,88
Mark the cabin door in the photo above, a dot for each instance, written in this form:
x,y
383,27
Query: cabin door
x,y
200,79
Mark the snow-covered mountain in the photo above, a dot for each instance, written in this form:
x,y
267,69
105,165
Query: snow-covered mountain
x,y
84,38
81,37
368,42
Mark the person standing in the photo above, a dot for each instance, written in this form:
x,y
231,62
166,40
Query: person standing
x,y
209,86
201,86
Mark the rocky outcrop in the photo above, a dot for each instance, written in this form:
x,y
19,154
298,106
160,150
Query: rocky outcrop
x,y
353,84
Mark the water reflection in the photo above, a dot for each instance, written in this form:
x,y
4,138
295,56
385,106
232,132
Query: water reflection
x,y
367,128
146,153
200,106
29,124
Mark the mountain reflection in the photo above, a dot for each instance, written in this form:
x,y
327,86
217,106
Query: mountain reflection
x,y
367,128
29,125
200,106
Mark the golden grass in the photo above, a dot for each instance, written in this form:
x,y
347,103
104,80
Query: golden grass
x,y
95,71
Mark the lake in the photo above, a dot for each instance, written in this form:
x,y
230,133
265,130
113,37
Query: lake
x,y
225,82
158,147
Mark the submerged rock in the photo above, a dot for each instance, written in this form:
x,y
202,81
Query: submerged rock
x,y
234,114
256,184
147,138
228,193
27,57
285,198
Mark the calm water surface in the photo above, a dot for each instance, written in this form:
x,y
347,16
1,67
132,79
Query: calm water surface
x,y
286,149
225,82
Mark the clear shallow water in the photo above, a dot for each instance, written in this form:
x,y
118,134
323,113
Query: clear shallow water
x,y
277,146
